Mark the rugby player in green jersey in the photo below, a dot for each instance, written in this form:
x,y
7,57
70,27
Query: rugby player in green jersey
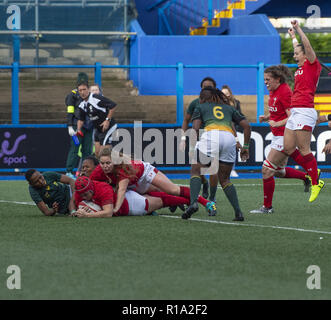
x,y
218,144
213,179
52,192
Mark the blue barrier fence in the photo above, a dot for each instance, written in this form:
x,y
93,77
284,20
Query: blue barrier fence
x,y
16,67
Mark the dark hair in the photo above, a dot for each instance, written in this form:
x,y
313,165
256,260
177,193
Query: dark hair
x,y
82,77
280,72
93,159
83,83
210,94
29,174
302,47
208,79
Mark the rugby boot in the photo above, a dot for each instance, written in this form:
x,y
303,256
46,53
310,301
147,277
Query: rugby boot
x,y
315,190
194,207
211,208
263,209
307,181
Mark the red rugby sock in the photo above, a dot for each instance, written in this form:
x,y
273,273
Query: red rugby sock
x,y
310,165
268,191
170,200
291,173
185,192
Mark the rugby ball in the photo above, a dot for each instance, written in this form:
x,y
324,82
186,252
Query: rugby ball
x,y
89,206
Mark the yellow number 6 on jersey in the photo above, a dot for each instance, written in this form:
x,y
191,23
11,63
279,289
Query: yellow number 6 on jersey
x,y
218,113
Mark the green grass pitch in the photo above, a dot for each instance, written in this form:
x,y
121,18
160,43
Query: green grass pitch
x,y
165,257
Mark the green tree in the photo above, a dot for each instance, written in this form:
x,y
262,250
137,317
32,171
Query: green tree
x,y
320,42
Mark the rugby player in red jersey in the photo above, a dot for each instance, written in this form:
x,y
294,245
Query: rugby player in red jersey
x,y
126,174
301,123
134,204
275,78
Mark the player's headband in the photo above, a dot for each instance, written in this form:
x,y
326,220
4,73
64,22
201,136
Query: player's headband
x,y
84,184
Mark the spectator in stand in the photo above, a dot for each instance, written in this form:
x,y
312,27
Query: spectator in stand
x,y
95,88
72,102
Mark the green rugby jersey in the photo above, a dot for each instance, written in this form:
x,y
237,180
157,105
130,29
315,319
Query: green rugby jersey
x,y
192,106
216,116
55,191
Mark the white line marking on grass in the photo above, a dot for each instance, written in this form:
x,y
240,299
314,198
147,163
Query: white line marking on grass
x,y
210,221
18,202
247,184
250,225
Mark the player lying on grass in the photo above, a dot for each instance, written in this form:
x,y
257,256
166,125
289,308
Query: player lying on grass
x,y
134,204
126,174
52,192
90,163
217,144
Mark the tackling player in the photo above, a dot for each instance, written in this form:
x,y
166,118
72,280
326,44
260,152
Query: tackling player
x,y
52,192
124,173
133,204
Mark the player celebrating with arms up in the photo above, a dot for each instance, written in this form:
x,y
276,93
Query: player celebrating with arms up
x,y
303,117
280,94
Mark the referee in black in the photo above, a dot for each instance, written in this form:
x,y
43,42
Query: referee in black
x,y
72,102
100,111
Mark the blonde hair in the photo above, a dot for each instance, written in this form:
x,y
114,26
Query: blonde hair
x,y
120,161
231,98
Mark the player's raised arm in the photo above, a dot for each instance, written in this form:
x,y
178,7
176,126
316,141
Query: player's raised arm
x,y
308,49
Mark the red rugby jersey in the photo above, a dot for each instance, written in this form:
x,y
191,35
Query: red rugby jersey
x,y
306,80
104,194
99,175
279,101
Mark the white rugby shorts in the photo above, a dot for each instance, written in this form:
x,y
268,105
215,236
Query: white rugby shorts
x,y
137,203
218,144
146,179
277,143
302,119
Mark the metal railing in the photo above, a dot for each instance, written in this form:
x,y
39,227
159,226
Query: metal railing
x,y
179,67
193,11
64,3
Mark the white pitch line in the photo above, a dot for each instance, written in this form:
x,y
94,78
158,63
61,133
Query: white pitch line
x,y
248,184
243,224
209,221
18,202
